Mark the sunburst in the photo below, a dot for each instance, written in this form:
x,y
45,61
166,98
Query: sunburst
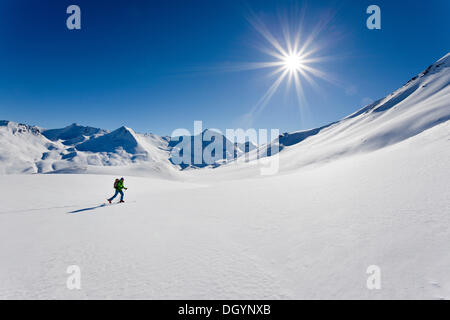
x,y
292,59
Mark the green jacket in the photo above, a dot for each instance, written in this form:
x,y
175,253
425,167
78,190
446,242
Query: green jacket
x,y
120,185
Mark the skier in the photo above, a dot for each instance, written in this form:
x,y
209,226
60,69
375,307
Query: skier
x,y
118,186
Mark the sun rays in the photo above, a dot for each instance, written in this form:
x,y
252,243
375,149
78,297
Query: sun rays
x,y
293,58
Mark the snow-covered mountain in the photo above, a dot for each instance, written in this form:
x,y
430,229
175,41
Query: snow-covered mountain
x,y
378,197
309,234
76,149
22,147
73,134
423,102
230,150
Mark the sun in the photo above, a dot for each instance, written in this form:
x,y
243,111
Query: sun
x,y
293,62
294,58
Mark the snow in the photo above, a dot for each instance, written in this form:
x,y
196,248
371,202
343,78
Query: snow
x,y
370,189
73,134
78,149
309,234
22,147
230,149
420,104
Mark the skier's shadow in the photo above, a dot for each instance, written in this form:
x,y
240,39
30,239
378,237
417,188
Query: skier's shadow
x,y
88,209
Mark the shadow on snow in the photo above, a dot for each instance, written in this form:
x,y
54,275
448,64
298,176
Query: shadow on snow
x,y
88,209
99,206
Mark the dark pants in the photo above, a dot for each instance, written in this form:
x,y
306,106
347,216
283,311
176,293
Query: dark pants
x,y
115,195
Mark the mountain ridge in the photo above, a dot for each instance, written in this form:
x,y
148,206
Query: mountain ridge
x,y
421,103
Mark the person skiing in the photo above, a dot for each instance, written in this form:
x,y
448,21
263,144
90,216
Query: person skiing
x,y
118,186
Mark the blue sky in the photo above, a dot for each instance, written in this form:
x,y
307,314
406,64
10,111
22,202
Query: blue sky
x,y
159,65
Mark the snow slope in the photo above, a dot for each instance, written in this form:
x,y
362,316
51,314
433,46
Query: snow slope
x,y
422,103
73,134
310,234
370,189
229,151
78,149
23,147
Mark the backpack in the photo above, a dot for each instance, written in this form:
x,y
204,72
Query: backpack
x,y
115,183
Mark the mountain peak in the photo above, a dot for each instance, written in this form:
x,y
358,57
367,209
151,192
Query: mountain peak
x,y
122,137
124,131
73,134
124,128
417,106
445,59
15,127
